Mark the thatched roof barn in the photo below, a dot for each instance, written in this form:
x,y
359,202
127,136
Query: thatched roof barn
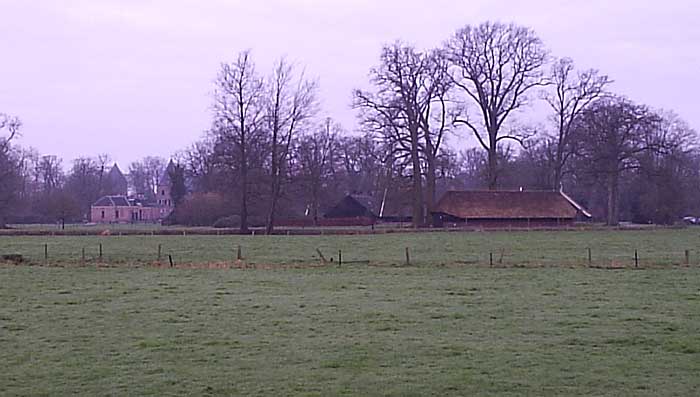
x,y
507,209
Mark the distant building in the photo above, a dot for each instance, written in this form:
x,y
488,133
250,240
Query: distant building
x,y
353,206
120,209
507,209
117,207
164,199
365,208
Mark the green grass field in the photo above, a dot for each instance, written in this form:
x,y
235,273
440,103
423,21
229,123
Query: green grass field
x,y
425,329
563,248
349,331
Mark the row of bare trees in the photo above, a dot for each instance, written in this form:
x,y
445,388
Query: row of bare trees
x,y
268,154
482,79
260,117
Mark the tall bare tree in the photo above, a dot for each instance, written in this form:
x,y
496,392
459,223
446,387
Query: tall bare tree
x,y
436,118
572,93
83,183
410,85
615,133
239,114
290,104
313,156
10,177
496,65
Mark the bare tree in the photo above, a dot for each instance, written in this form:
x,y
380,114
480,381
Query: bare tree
x,y
102,160
436,118
145,174
10,125
495,66
239,113
10,167
50,173
314,159
83,184
572,93
200,163
409,85
290,103
614,134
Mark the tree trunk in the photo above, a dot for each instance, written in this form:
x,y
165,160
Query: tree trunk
x,y
612,216
244,191
558,167
430,185
493,168
314,204
270,227
418,218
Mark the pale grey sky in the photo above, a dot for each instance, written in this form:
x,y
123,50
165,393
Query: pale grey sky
x,y
134,77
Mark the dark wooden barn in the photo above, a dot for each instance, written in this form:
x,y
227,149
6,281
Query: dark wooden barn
x,y
503,209
353,209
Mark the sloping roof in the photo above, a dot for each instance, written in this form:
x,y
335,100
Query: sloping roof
x,y
112,201
353,205
118,184
165,176
507,205
577,205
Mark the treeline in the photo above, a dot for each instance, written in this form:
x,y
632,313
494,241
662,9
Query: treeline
x,y
37,189
269,154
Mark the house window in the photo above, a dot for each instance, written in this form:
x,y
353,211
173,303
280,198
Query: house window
x,y
116,214
103,214
162,192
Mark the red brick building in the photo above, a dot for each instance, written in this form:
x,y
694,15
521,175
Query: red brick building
x,y
120,209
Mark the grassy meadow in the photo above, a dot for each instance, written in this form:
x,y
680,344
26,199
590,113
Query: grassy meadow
x,y
448,324
538,248
349,331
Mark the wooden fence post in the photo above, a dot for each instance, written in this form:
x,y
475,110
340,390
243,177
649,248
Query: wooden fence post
x,y
83,254
590,257
491,259
46,252
408,257
320,255
636,259
340,258
170,258
687,257
239,254
159,251
100,252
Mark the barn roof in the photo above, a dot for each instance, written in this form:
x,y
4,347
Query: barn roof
x,y
353,205
112,201
501,204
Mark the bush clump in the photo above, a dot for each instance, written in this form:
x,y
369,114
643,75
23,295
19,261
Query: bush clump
x,y
231,221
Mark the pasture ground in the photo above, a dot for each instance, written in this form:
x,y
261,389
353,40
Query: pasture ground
x,y
424,329
664,247
349,331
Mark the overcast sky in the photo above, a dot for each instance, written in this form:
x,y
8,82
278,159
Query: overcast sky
x,y
134,77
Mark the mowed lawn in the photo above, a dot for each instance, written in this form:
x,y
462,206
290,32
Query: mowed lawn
x,y
665,247
360,330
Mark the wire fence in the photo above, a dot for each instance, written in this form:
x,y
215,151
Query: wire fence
x,y
194,250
